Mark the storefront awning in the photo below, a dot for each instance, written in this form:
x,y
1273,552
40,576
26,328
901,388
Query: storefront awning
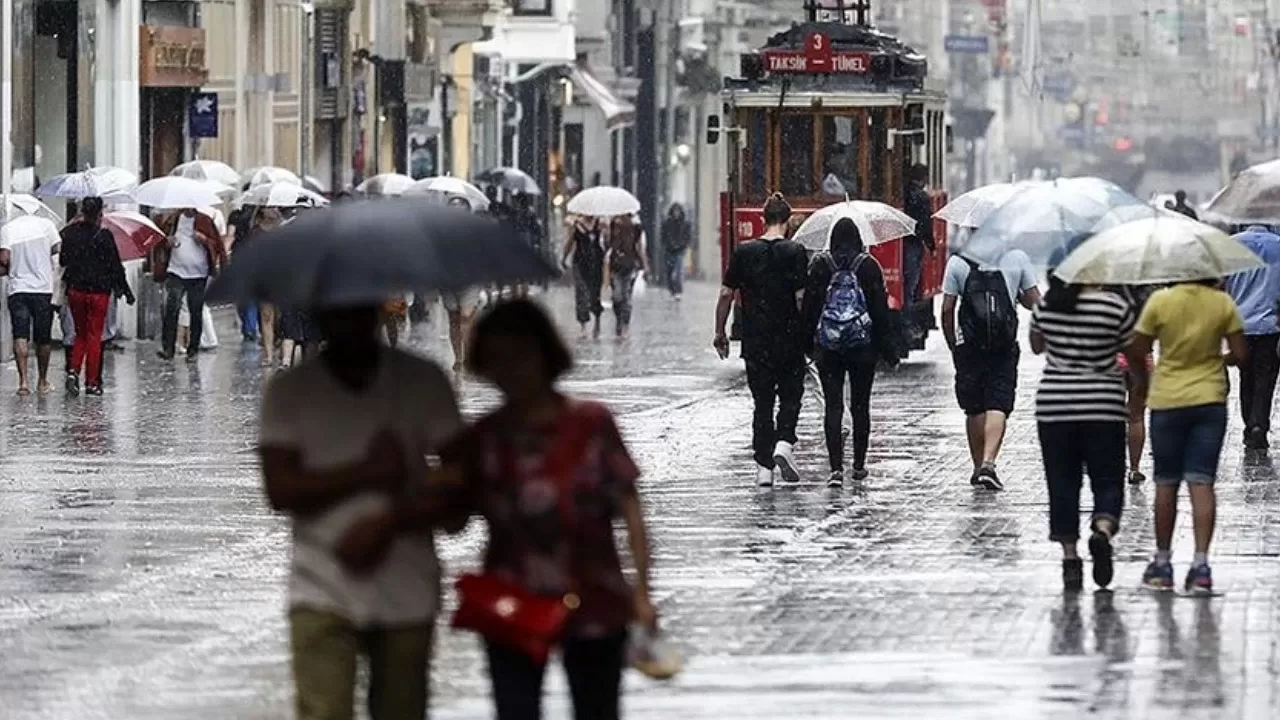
x,y
618,113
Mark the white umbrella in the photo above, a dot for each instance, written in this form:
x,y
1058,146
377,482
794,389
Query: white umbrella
x,y
451,187
1156,251
1252,198
604,201
314,184
974,207
175,193
386,185
26,229
877,223
270,174
103,182
218,172
18,205
282,194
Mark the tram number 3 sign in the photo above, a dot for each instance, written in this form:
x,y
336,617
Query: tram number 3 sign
x,y
817,58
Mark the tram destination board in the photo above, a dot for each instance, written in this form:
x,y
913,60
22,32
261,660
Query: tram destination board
x,y
816,58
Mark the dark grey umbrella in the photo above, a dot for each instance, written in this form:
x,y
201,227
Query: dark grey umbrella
x,y
510,179
368,251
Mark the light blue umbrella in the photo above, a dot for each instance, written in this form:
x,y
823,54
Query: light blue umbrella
x,y
1047,221
106,182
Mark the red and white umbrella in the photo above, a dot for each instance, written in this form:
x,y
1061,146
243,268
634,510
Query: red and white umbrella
x,y
135,234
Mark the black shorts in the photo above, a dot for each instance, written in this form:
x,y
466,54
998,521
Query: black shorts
x,y
986,380
32,317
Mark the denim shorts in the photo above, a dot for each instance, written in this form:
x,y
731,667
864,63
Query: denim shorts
x,y
1186,443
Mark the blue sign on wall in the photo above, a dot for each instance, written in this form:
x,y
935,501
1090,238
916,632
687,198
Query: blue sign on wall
x,y
967,44
202,115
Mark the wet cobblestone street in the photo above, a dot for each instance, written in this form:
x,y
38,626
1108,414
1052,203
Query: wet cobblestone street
x,y
142,575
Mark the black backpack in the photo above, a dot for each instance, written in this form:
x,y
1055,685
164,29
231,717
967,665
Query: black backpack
x,y
988,320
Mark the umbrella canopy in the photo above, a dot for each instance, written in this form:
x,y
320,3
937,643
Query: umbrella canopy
x,y
314,184
175,193
18,205
1046,221
363,252
603,202
450,187
28,229
104,182
877,223
1156,251
282,194
218,172
386,185
1253,197
511,179
269,174
974,207
135,234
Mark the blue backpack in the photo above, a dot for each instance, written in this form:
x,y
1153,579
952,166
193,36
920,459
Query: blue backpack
x,y
845,323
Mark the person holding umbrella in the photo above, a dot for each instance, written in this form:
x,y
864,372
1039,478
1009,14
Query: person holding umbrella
x,y
93,273
193,254
1256,293
627,260
587,250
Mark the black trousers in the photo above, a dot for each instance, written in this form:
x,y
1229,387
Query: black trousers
x,y
833,368
176,289
594,667
588,281
1258,381
1071,448
780,381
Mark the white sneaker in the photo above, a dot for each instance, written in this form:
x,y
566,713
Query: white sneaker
x,y
764,476
786,465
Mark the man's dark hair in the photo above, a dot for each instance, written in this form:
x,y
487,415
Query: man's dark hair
x,y
520,318
91,210
918,173
776,210
1181,197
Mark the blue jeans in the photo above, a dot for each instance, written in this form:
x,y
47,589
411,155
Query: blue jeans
x,y
1186,443
675,272
248,321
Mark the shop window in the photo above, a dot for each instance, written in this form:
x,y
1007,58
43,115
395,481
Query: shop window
x,y
839,156
754,165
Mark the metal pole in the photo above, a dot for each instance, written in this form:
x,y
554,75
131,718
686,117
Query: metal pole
x,y
6,97
307,91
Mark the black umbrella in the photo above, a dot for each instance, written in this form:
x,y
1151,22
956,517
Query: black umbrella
x,y
364,252
510,179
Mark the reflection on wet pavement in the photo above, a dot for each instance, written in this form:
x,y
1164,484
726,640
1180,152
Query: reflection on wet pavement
x,y
141,575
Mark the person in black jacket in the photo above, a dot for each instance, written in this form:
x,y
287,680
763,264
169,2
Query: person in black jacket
x,y
93,274
857,363
677,236
919,206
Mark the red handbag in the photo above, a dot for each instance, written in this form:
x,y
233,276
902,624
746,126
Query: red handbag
x,y
505,612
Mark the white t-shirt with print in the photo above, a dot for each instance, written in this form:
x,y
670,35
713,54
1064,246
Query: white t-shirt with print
x,y
190,260
306,409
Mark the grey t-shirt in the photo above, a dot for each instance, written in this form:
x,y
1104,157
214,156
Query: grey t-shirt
x,y
1019,276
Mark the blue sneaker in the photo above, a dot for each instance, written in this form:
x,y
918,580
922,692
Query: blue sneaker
x,y
1199,580
1158,576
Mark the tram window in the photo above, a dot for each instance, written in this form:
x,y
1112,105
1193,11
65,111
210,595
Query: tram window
x,y
880,155
839,156
797,155
755,154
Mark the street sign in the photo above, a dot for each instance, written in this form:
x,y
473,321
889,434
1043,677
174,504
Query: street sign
x,y
202,115
817,58
967,44
1059,85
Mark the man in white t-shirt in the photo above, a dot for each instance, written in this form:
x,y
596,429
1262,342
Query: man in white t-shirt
x,y
29,264
195,253
344,438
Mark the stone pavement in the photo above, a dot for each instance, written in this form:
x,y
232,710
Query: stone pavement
x,y
141,575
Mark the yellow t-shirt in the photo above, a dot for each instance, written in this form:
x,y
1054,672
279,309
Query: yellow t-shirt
x,y
1190,322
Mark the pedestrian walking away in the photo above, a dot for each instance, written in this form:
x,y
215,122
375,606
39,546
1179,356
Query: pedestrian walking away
x,y
242,222
28,246
461,307
677,237
1136,381
770,274
984,346
270,320
550,475
586,248
93,273
846,303
627,258
919,206
342,442
1256,293
193,254
1180,205
1188,401
1081,414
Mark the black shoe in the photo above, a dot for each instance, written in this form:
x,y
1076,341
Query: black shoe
x,y
988,479
1073,575
1137,478
1256,439
73,384
1100,549
164,355
93,390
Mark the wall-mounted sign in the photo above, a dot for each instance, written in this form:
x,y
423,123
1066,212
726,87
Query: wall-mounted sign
x,y
816,58
968,44
171,56
202,115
